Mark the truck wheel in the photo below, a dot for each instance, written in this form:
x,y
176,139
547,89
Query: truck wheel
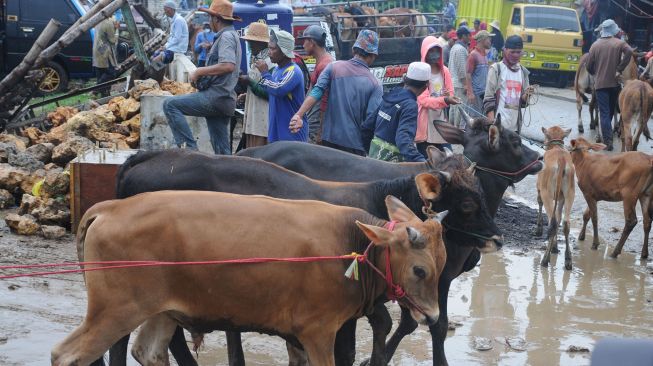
x,y
56,79
563,80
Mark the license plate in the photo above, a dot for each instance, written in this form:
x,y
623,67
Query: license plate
x,y
550,65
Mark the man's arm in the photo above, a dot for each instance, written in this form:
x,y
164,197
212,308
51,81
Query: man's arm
x,y
291,79
227,62
469,70
490,98
405,137
323,84
626,56
591,63
175,35
198,43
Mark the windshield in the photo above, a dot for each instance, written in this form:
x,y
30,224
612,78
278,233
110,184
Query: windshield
x,y
551,18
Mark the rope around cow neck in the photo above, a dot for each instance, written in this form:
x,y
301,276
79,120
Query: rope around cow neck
x,y
502,174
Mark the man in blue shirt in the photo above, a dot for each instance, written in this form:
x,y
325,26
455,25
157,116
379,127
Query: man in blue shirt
x,y
354,94
449,12
389,135
285,88
178,38
203,43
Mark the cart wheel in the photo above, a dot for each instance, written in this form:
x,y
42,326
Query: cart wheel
x,y
56,79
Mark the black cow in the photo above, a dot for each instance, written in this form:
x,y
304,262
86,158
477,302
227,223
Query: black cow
x,y
499,157
181,169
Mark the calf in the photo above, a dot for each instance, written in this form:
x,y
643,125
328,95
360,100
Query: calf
x,y
636,105
623,177
453,187
555,189
192,226
584,84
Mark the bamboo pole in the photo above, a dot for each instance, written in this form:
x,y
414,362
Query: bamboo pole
x,y
94,10
29,60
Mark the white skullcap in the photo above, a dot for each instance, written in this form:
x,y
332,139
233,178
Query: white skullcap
x,y
170,4
419,71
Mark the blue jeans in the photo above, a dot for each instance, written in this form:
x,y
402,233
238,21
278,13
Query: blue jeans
x,y
217,112
607,98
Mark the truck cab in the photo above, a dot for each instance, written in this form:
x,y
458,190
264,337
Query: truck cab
x,y
22,23
553,39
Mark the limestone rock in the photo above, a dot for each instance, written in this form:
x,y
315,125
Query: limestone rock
x,y
177,88
22,225
103,111
55,184
33,134
28,183
86,121
20,142
57,135
53,232
52,212
134,140
158,92
61,115
109,140
68,150
42,152
143,86
52,166
134,123
124,108
6,199
7,149
28,203
120,129
12,177
25,160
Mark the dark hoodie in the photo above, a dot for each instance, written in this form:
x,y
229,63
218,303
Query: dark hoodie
x,y
395,122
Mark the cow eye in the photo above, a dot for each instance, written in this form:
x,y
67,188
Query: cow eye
x,y
467,207
419,272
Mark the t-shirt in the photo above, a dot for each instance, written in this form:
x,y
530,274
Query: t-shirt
x,y
322,63
436,88
509,96
226,49
477,67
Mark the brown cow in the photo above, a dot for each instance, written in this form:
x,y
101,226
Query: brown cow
x,y
584,84
636,105
402,25
304,302
623,177
556,189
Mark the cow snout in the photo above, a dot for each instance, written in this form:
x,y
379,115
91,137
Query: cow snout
x,y
430,318
495,243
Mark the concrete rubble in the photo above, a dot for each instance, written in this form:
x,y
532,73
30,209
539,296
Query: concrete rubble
x,y
33,166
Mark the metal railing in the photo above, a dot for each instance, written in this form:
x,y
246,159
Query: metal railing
x,y
436,22
380,5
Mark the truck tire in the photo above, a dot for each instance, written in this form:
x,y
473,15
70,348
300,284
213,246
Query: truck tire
x,y
56,79
563,80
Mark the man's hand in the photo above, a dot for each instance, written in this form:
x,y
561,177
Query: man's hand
x,y
471,98
619,77
262,66
241,98
296,123
452,100
206,45
116,24
195,74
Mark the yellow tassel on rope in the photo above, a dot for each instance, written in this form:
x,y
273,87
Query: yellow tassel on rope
x,y
352,270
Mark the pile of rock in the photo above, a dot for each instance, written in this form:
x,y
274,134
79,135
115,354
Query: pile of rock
x,y
34,166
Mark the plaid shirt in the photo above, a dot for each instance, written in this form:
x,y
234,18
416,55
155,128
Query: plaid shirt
x,y
457,64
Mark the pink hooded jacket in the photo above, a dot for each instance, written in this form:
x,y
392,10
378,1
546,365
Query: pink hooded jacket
x,y
425,101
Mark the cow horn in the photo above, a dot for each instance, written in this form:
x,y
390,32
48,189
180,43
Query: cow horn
x,y
469,119
472,168
446,175
448,152
417,240
439,217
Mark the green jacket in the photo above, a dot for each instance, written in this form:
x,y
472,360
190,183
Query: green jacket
x,y
104,45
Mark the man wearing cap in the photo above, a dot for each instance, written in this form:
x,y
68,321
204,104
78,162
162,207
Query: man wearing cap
x,y
285,87
477,28
458,66
390,135
178,38
315,46
203,43
497,41
508,89
477,68
354,95
216,98
608,57
446,48
257,112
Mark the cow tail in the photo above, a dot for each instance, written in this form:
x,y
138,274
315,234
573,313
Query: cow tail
x,y
88,218
643,117
562,165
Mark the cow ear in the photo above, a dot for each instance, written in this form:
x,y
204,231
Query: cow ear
x,y
429,186
544,132
567,132
398,211
434,155
497,120
597,147
377,235
493,138
450,133
573,143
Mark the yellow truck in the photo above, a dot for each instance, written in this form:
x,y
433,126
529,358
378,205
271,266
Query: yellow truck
x,y
552,35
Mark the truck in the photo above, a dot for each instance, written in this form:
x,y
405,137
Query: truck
x,y
552,35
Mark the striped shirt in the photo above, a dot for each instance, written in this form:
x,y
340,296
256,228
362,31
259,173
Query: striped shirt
x,y
458,64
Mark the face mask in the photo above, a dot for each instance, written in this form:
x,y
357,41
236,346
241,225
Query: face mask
x,y
512,58
207,30
432,58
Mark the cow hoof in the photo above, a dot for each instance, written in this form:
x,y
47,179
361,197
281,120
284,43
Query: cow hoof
x,y
581,129
614,254
544,263
555,250
595,246
581,236
538,232
568,265
644,256
365,362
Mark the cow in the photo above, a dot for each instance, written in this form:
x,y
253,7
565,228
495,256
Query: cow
x,y
556,190
625,177
584,84
401,25
636,105
497,165
183,170
192,226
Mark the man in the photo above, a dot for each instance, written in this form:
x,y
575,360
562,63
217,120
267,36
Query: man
x,y
649,54
216,98
647,74
104,46
178,38
257,112
457,66
444,37
608,57
314,38
446,49
449,12
477,68
285,88
203,43
477,28
435,99
497,42
354,94
508,88
390,135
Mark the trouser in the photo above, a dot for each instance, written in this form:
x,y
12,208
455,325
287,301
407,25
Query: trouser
x,y
342,148
217,112
315,117
201,63
104,74
607,99
477,106
456,117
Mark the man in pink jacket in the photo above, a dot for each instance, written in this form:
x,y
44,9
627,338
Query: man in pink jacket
x,y
438,96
